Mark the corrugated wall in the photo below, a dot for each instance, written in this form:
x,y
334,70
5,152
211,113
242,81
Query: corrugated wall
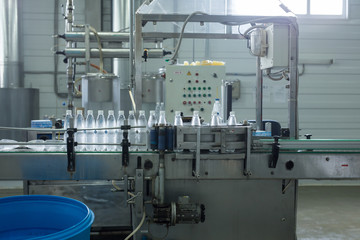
x,y
329,95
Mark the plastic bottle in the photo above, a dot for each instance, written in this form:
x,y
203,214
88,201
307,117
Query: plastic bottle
x,y
100,134
195,121
142,135
232,119
178,119
214,120
68,117
162,106
152,140
162,118
157,111
217,109
231,122
119,133
132,131
79,135
111,135
90,134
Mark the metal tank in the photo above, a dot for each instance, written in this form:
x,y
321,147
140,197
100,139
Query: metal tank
x,y
18,105
100,92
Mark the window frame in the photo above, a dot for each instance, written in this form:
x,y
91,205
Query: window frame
x,y
344,14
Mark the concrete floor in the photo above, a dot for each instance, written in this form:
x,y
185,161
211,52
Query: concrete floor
x,y
329,213
324,213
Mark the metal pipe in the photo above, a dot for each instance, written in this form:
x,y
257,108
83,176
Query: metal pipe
x,y
259,95
69,69
104,36
10,63
131,45
109,53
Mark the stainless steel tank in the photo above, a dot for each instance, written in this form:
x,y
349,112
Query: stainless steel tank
x,y
18,106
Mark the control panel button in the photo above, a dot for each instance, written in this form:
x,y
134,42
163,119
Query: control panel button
x,y
199,102
194,95
199,95
194,88
204,88
209,95
197,74
194,102
189,88
189,95
202,109
197,81
184,102
204,95
184,95
192,109
189,81
204,81
209,102
189,102
209,88
199,88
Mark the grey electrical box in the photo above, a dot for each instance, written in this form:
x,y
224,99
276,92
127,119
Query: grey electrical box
x,y
235,89
277,54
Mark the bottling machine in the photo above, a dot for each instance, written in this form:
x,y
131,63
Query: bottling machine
x,y
211,182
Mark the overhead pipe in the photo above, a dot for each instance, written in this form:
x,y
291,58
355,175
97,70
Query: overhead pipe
x,y
110,53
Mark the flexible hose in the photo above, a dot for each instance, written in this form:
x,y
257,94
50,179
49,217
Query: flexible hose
x,y
138,227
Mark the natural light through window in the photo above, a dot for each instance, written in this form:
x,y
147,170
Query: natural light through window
x,y
331,8
326,7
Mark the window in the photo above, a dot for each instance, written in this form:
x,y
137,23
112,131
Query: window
x,y
329,8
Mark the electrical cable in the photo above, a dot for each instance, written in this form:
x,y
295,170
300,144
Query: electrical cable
x,y
138,227
172,60
246,33
100,48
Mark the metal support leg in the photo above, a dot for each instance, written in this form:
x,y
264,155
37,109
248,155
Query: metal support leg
x,y
259,96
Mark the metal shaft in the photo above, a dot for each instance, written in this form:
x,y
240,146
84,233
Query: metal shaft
x,y
259,95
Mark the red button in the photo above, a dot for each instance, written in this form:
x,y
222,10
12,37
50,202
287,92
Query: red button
x,y
189,102
209,102
184,102
194,102
197,81
197,74
199,102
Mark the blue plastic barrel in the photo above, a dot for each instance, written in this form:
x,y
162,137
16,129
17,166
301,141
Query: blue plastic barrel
x,y
44,217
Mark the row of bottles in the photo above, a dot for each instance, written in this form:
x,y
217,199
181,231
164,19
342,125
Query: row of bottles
x,y
140,137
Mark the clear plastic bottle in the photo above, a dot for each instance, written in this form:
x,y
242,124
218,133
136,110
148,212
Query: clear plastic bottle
x,y
132,132
217,109
119,133
232,119
142,134
162,118
195,121
79,135
111,133
157,111
178,119
162,106
100,134
152,119
214,120
231,122
151,128
90,134
68,117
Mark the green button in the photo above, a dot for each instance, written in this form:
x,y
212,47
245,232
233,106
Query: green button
x,y
199,95
194,88
184,95
199,88
209,88
191,109
204,88
202,109
209,95
194,95
189,88
189,95
204,95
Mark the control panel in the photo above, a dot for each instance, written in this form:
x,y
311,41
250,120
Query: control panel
x,y
192,88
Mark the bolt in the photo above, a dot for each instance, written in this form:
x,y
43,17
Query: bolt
x,y
283,219
327,158
139,174
206,173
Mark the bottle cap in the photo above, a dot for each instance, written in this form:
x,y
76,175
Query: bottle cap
x,y
111,112
152,112
78,112
177,113
68,112
121,112
100,112
141,112
90,112
131,112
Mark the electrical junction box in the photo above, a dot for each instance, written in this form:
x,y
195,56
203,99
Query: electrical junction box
x,y
192,88
278,47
